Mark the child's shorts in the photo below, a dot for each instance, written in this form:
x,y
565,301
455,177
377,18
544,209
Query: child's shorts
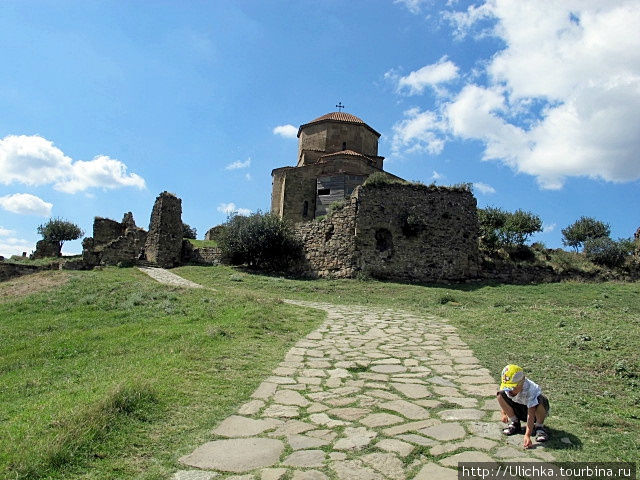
x,y
521,410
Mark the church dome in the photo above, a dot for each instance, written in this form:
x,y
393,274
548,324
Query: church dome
x,y
338,117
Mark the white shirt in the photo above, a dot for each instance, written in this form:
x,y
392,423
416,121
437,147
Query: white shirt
x,y
528,395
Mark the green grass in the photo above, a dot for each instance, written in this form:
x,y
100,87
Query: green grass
x,y
113,375
203,243
579,341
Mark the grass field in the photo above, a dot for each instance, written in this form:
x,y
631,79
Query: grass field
x,y
107,374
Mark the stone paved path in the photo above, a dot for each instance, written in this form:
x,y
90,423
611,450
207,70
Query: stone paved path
x,y
371,394
165,276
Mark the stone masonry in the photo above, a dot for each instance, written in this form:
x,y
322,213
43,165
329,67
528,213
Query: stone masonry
x,y
114,243
396,231
164,241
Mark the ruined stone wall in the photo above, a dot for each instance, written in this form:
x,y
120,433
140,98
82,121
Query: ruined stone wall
x,y
164,240
106,249
417,233
46,249
105,230
329,243
200,255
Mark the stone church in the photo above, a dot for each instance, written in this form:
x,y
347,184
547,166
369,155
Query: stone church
x,y
390,229
336,153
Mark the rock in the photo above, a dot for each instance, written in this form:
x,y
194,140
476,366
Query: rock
x,y
236,426
235,455
305,458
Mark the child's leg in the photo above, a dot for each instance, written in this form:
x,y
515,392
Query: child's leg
x,y
541,414
506,408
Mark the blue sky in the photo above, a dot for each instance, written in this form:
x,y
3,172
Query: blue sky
x,y
105,104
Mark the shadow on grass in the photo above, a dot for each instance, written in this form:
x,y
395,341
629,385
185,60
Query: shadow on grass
x,y
561,440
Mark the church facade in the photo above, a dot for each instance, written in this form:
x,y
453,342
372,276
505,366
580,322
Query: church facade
x,y
391,229
336,153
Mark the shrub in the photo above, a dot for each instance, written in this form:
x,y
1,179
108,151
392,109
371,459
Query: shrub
x,y
499,228
188,232
607,252
58,231
261,241
583,229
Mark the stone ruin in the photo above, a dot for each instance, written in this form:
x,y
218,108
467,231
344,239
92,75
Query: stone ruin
x,y
164,241
123,243
46,249
114,243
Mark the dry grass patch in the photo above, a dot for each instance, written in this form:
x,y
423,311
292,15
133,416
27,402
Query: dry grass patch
x,y
29,284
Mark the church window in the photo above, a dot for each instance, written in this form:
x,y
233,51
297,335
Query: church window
x,y
324,191
305,208
344,145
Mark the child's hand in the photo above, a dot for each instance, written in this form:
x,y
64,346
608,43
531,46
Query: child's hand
x,y
527,441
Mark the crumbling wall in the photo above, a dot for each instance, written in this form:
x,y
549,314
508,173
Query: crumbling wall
x,y
106,230
106,249
45,249
164,240
329,243
416,232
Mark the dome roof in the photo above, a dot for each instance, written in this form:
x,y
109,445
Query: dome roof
x,y
338,117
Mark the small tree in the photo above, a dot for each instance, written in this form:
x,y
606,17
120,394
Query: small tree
x,y
499,228
583,229
58,231
607,252
261,241
188,232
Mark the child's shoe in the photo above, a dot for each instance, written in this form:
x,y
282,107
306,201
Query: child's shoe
x,y
541,434
512,428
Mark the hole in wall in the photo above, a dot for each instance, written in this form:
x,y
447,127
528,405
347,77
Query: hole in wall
x,y
384,240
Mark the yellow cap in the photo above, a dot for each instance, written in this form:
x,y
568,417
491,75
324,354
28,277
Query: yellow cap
x,y
512,375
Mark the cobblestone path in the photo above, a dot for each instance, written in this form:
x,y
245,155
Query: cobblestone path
x,y
165,276
372,394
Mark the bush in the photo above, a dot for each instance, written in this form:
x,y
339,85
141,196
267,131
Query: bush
x,y
261,241
499,228
188,232
583,229
607,252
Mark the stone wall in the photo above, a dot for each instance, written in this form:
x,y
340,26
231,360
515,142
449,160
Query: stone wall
x,y
105,230
46,249
164,240
396,231
125,248
200,255
417,233
329,243
11,270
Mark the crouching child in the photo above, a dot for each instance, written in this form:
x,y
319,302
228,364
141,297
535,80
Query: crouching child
x,y
520,399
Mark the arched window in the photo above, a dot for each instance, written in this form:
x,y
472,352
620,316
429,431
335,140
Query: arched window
x,y
305,208
344,145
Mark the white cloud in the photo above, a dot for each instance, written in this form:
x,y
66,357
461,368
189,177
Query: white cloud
x,y
548,228
436,176
414,6
6,233
286,131
563,95
428,76
484,188
247,177
15,246
33,160
238,165
26,204
417,133
232,209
